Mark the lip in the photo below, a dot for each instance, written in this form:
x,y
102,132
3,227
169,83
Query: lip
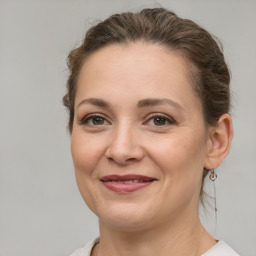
x,y
126,183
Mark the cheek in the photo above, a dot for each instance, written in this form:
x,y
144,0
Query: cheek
x,y
86,152
180,160
179,156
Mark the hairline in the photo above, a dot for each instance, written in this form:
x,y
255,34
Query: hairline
x,y
193,71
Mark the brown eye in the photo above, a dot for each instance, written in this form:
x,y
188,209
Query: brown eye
x,y
159,120
97,120
93,120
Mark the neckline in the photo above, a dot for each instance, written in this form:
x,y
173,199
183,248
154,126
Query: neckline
x,y
213,248
96,241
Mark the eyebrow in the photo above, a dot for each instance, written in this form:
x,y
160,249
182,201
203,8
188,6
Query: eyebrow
x,y
151,102
95,102
155,102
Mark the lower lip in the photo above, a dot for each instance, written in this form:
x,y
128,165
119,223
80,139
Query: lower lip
x,y
125,187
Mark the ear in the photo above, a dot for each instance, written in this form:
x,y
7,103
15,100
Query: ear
x,y
219,142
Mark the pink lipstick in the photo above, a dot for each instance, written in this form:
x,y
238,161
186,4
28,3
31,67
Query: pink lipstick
x,y
126,183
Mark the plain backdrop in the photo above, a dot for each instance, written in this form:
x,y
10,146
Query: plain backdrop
x,y
41,210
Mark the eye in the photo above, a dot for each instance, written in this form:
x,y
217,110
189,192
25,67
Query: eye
x,y
159,120
93,120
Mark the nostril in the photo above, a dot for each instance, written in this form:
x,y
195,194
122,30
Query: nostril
x,y
124,157
123,150
121,159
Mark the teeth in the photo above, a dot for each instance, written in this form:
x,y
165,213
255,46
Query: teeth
x,y
127,181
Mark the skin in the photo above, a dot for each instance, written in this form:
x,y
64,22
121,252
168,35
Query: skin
x,y
162,218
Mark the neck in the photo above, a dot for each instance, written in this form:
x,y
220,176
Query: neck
x,y
176,238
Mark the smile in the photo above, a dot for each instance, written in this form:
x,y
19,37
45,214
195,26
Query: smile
x,y
126,183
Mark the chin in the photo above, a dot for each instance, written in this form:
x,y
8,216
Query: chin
x,y
129,218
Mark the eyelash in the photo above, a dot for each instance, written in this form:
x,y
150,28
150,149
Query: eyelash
x,y
89,117
85,120
166,118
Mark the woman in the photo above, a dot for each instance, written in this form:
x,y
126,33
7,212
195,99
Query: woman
x,y
148,97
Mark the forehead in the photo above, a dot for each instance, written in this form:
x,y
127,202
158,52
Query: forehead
x,y
136,57
135,69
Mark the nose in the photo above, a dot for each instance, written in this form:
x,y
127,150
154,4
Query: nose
x,y
124,146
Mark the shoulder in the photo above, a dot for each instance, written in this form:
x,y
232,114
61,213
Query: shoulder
x,y
220,249
86,250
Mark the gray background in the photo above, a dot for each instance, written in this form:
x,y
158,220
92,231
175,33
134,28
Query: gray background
x,y
41,210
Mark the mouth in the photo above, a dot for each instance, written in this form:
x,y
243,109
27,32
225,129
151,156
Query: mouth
x,y
126,183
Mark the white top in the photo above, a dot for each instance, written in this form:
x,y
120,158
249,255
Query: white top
x,y
220,249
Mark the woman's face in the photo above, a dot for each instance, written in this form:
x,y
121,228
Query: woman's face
x,y
139,141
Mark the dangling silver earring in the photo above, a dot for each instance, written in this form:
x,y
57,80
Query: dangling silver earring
x,y
213,175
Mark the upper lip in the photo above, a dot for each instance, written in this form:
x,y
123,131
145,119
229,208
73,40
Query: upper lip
x,y
115,177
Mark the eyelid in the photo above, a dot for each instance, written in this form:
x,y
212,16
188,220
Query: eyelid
x,y
86,118
168,118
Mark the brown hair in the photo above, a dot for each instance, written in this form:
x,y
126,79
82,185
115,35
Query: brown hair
x,y
210,73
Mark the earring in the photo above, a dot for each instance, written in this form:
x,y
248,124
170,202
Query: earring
x,y
213,175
